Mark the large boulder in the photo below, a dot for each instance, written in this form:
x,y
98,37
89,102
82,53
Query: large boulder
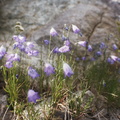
x,y
95,19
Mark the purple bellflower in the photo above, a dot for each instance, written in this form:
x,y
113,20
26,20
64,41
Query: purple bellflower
x,y
2,51
30,44
89,48
46,42
9,64
67,70
21,46
83,58
53,32
114,46
56,50
114,57
118,59
67,42
15,45
32,96
19,38
98,53
82,43
27,50
64,49
10,57
111,61
64,38
49,69
16,57
31,52
32,73
65,27
102,45
76,30
13,57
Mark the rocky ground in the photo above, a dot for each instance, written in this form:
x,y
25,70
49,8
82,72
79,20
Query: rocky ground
x,y
96,19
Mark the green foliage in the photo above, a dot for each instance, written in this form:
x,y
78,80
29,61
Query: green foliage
x,y
61,90
105,79
16,84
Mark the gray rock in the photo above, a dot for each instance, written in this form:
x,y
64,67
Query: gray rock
x,y
95,19
3,103
96,22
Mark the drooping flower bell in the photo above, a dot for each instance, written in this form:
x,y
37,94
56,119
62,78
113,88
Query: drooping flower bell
x,y
13,57
90,48
2,51
67,70
31,52
9,64
98,53
76,30
21,46
67,42
49,69
46,42
114,46
16,57
30,44
82,43
32,73
53,32
110,60
64,49
102,45
19,38
33,96
64,38
115,58
10,57
83,58
56,50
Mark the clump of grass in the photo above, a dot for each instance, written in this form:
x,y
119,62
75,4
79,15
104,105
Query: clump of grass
x,y
58,80
106,81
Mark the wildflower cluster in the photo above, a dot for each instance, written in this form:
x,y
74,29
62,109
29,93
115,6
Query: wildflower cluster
x,y
22,46
58,76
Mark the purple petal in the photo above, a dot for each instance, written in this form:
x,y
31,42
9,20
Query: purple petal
x,y
53,32
67,42
82,43
111,61
67,70
114,57
49,69
9,64
89,48
64,49
56,50
33,96
75,29
46,42
2,51
32,73
114,46
19,38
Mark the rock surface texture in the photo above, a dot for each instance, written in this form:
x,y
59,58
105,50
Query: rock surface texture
x,y
95,18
